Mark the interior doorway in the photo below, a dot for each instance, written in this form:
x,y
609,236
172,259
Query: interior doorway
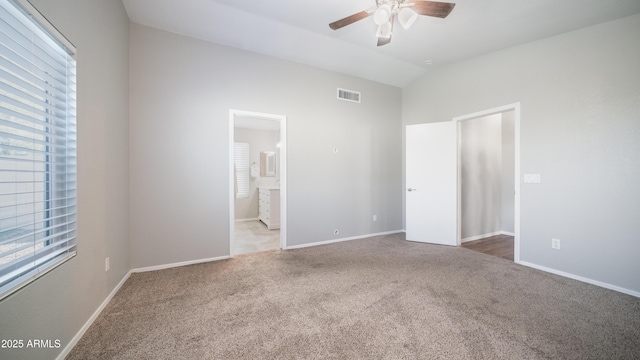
x,y
488,192
257,182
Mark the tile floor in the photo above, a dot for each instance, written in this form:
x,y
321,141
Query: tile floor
x,y
253,236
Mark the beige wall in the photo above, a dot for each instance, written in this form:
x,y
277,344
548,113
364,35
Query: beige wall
x,y
580,129
507,187
58,304
181,93
487,173
481,176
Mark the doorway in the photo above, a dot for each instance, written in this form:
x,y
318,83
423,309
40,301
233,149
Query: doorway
x,y
257,182
433,163
488,181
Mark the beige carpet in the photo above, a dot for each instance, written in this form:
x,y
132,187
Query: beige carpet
x,y
377,298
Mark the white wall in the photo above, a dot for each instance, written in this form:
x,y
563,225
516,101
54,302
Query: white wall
x,y
481,176
259,140
181,93
507,185
487,174
58,304
580,129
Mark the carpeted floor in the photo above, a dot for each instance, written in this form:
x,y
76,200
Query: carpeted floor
x,y
376,298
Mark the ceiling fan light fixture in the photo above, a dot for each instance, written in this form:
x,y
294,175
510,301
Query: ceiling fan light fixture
x,y
385,12
407,17
382,14
384,30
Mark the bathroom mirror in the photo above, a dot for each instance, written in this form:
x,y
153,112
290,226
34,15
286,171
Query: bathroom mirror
x,y
267,163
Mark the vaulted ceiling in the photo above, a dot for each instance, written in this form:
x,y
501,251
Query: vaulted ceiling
x,y
298,30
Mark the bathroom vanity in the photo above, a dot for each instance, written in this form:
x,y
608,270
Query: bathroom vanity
x,y
269,206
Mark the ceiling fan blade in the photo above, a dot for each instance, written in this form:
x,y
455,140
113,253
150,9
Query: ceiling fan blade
x,y
383,40
433,8
351,19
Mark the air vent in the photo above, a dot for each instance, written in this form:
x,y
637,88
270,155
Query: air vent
x,y
348,95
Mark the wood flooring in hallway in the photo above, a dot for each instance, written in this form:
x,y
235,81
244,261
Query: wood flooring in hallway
x,y
499,245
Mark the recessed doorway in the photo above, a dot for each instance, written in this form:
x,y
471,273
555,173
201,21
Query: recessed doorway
x,y
488,181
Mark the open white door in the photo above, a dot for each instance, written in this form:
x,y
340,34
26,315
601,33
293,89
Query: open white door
x,y
432,183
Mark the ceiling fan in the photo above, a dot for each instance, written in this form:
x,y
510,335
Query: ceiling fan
x,y
386,11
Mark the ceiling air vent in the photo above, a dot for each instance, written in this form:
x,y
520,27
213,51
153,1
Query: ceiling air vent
x,y
348,95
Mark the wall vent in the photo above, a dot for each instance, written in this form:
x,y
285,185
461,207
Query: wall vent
x,y
348,95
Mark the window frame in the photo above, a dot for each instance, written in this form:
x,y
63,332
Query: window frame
x,y
54,129
241,155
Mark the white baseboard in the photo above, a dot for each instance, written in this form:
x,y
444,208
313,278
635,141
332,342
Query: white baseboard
x,y
178,264
67,349
342,239
245,220
583,279
479,237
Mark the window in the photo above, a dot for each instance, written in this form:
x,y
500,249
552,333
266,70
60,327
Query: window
x,y
241,160
38,211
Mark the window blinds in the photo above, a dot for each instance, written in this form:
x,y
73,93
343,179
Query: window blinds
x,y
241,159
38,205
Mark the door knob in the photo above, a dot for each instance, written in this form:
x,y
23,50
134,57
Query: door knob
x,y
410,189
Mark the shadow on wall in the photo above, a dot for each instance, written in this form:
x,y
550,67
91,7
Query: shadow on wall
x,y
487,168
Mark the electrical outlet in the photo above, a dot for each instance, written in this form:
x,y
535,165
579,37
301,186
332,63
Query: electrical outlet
x,y
375,217
555,244
336,232
106,264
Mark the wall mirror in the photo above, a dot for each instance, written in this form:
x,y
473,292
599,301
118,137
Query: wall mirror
x,y
267,163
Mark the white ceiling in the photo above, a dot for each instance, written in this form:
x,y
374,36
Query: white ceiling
x,y
298,30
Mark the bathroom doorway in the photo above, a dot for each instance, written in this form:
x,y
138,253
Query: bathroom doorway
x,y
257,168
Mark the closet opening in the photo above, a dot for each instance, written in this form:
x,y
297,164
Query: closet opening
x,y
488,182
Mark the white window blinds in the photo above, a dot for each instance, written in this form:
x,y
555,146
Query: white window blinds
x,y
241,159
38,212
